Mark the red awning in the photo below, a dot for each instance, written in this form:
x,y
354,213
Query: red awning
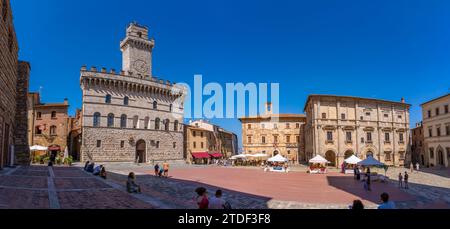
x,y
216,155
54,148
200,155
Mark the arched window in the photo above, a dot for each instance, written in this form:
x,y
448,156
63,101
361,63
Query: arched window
x,y
155,105
157,123
111,120
146,122
108,99
52,130
136,122
171,107
53,114
96,120
123,121
166,124
126,101
175,125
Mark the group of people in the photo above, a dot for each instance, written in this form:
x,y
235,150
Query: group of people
x,y
162,171
416,167
215,202
403,180
385,203
96,171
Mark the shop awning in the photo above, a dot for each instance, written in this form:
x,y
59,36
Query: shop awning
x,y
216,155
200,155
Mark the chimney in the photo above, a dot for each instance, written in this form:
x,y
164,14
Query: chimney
x,y
403,100
268,108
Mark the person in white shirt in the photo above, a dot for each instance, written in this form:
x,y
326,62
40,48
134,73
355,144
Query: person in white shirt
x,y
217,202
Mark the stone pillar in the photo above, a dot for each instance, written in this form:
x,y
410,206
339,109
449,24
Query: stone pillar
x,y
22,149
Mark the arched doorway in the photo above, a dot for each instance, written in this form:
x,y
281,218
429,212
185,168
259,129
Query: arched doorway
x,y
348,154
140,151
440,159
331,157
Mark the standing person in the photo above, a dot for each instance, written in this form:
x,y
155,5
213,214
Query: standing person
x,y
417,166
166,169
103,173
161,171
358,174
202,198
368,181
400,180
386,203
156,169
86,165
406,180
216,202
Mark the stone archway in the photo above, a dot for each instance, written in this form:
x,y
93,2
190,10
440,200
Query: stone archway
x,y
348,154
440,157
331,157
141,148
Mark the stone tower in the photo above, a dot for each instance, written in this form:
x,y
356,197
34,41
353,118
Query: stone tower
x,y
137,50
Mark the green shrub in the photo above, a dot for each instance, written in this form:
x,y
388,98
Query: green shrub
x,y
68,161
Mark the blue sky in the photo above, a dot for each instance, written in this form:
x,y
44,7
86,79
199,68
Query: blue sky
x,y
380,49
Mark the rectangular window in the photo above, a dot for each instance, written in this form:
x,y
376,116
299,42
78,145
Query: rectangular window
x,y
157,144
400,117
324,115
99,143
202,145
122,144
297,126
329,136
362,140
400,136
263,139
362,118
446,109
343,116
275,139
288,126
194,145
386,115
387,137
298,138
348,136
249,126
39,115
430,132
202,134
194,134
429,114
369,137
288,139
249,139
367,113
174,145
447,130
401,155
387,156
437,111
438,131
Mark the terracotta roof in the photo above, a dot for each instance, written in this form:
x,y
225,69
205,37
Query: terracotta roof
x,y
299,116
353,97
435,99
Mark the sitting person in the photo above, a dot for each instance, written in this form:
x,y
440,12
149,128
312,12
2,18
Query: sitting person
x,y
90,168
103,173
386,203
132,187
357,205
97,170
216,202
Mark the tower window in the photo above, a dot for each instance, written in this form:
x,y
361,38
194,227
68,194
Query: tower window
x,y
139,34
126,101
108,99
53,114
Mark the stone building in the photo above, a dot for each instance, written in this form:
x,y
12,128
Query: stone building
x,y
274,134
74,141
48,124
131,115
417,143
340,126
204,141
14,76
436,128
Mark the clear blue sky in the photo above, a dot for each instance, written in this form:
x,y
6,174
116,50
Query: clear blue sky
x,y
383,49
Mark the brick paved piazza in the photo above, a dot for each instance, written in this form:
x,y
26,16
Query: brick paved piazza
x,y
249,188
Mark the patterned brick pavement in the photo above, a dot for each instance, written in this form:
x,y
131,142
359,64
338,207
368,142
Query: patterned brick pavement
x,y
41,187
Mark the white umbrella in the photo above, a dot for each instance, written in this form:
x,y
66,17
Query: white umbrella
x,y
370,161
240,156
353,160
319,160
38,148
258,155
278,158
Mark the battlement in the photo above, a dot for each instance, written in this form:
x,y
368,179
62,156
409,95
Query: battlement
x,y
122,73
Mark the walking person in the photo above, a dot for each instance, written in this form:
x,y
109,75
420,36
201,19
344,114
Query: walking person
x,y
368,180
400,180
166,169
417,166
406,180
156,169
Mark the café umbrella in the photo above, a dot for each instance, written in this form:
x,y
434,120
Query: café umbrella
x,y
370,162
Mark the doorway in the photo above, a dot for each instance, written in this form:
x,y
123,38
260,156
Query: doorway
x,y
141,151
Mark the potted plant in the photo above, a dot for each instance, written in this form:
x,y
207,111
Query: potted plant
x,y
68,161
45,160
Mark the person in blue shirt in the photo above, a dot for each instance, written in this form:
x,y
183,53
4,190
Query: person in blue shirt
x,y
386,203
